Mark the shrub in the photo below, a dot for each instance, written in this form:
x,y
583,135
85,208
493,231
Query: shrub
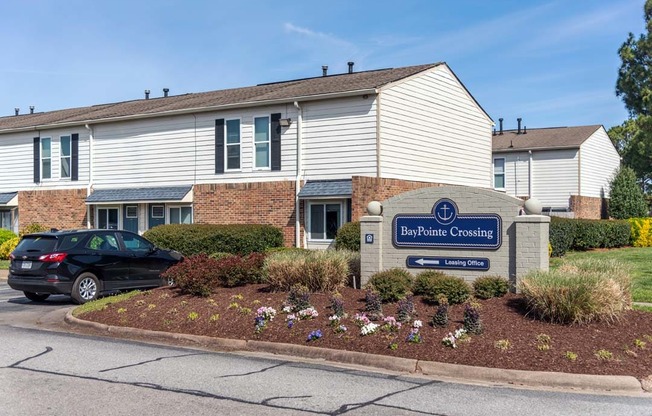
x,y
195,275
219,255
298,298
191,239
319,271
617,233
579,292
431,284
562,232
348,237
33,228
405,309
440,318
472,321
7,247
588,234
392,284
641,232
373,305
626,199
487,287
237,271
337,305
6,235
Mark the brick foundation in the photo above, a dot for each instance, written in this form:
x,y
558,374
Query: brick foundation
x,y
62,209
588,207
367,189
248,203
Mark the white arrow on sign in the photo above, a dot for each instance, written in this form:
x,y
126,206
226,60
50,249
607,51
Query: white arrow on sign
x,y
422,262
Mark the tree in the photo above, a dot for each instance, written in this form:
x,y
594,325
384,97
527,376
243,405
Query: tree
x,y
633,139
626,200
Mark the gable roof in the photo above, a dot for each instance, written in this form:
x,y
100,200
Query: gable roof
x,y
300,89
327,188
540,139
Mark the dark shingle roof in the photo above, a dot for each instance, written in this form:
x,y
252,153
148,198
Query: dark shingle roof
x,y
167,193
259,94
549,138
327,188
6,197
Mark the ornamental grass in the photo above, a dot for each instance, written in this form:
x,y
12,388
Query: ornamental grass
x,y
319,271
579,292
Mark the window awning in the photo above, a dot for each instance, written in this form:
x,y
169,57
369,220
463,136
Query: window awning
x,y
9,199
141,195
327,189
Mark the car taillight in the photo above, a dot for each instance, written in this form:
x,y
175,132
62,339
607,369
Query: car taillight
x,y
11,256
53,257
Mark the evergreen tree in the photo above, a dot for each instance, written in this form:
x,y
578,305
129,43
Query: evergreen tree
x,y
626,199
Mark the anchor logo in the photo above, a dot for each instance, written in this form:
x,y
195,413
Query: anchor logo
x,y
445,211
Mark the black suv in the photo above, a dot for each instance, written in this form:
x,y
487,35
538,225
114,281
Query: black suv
x,y
85,263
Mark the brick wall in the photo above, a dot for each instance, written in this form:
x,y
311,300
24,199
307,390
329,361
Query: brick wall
x,y
588,207
248,203
62,209
367,189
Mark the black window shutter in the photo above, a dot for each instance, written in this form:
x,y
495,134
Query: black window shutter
x,y
37,159
219,145
74,158
276,141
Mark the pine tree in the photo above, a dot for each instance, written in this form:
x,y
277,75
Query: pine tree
x,y
626,200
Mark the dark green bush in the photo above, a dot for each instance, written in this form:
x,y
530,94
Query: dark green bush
x,y
589,234
392,284
487,287
348,237
192,239
562,233
196,275
618,233
431,284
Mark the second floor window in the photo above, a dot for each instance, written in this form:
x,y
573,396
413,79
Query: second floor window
x,y
261,142
46,158
65,156
232,144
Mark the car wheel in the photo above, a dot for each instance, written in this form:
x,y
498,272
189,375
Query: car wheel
x,y
86,288
36,297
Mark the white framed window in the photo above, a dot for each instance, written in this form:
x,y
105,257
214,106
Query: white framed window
x,y
324,219
499,173
233,149
131,211
46,158
180,215
158,211
262,152
65,156
107,218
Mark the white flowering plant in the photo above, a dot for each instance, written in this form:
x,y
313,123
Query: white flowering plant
x,y
369,329
361,319
308,313
452,338
391,324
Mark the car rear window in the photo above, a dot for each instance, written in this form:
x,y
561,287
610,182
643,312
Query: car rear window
x,y
34,244
68,242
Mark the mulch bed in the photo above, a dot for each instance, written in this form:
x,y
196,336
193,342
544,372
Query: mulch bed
x,y
166,309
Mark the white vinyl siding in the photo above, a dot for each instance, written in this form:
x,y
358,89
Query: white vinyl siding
x,y
554,176
598,162
516,173
339,138
433,131
17,161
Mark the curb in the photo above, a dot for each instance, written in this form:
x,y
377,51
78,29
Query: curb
x,y
538,379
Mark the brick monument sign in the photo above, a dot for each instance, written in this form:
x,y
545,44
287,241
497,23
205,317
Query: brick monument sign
x,y
463,231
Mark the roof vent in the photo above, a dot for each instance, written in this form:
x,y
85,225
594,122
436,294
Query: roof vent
x,y
350,64
524,129
324,70
519,125
165,92
147,94
500,120
31,109
17,110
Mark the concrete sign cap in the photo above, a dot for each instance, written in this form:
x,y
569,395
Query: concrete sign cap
x,y
374,208
533,207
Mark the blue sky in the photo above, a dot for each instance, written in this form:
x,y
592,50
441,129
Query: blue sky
x,y
553,63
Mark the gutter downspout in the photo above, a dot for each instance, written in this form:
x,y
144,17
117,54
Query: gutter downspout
x,y
529,174
378,135
89,188
297,187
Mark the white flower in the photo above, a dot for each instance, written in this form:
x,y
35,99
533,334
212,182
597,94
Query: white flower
x,y
287,309
291,317
417,324
369,328
308,313
334,318
266,312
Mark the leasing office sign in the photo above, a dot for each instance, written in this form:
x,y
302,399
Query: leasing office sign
x,y
445,227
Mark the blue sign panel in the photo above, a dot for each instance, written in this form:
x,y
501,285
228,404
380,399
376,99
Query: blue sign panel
x,y
445,228
461,263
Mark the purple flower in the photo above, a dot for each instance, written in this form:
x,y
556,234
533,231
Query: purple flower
x,y
314,335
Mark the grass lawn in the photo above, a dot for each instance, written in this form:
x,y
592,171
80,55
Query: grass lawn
x,y
639,258
4,264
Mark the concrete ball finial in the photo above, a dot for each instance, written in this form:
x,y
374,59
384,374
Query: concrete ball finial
x,y
533,207
374,208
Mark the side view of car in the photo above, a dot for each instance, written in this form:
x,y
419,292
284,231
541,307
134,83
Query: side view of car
x,y
86,263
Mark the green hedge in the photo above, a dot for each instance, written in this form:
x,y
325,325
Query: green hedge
x,y
348,237
191,239
579,234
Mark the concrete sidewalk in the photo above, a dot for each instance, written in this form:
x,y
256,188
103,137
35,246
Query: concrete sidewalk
x,y
3,274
